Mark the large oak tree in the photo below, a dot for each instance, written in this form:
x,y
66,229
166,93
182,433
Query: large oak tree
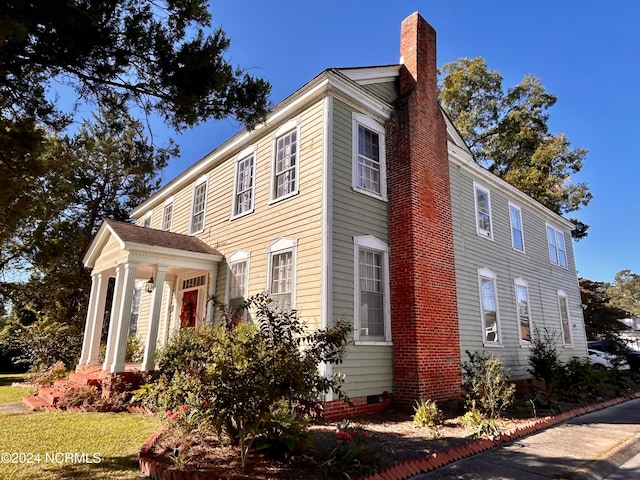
x,y
508,133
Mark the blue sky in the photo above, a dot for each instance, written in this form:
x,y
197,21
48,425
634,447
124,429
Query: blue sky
x,y
586,52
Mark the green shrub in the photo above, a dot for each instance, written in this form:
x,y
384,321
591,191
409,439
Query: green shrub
x,y
578,381
231,380
544,359
355,452
486,381
282,434
481,425
427,415
46,377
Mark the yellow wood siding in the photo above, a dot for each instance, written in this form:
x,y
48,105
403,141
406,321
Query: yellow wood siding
x,y
298,217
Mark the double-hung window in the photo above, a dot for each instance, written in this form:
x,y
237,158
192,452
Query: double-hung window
x,y
557,249
146,220
282,271
167,214
285,161
198,205
371,292
489,307
517,234
369,162
238,284
244,184
523,311
135,309
565,324
483,211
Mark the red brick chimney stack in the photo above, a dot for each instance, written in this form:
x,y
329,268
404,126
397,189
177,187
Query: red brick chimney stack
x,y
424,313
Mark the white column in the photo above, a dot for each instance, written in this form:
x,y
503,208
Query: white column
x,y
212,292
168,316
90,321
96,334
148,361
113,319
124,317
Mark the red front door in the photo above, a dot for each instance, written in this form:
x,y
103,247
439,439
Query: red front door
x,y
189,311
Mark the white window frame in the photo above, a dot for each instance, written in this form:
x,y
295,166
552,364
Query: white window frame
x,y
371,243
514,228
555,236
167,207
136,300
281,246
357,121
249,152
486,274
481,231
146,219
563,299
198,184
239,257
520,283
290,127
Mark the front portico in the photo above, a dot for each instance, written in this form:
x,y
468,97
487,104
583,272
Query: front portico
x,y
174,268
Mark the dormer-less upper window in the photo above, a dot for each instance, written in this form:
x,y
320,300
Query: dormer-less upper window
x,y
483,211
285,167
369,164
244,183
198,205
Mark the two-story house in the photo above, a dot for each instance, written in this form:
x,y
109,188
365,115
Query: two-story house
x,y
356,201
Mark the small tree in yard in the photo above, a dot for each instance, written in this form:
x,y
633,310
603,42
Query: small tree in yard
x,y
486,381
232,380
544,360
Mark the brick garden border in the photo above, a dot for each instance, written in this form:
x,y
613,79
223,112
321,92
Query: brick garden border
x,y
404,470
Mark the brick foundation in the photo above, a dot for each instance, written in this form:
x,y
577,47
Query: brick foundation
x,y
338,409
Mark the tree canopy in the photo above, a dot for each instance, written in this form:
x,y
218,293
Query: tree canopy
x,y
624,293
155,53
508,133
152,57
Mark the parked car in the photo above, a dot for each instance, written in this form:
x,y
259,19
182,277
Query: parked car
x,y
599,354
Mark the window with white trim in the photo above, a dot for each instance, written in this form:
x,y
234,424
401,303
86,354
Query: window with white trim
x,y
523,311
489,307
238,284
557,249
483,211
198,205
281,280
565,323
517,234
371,290
167,214
146,220
285,161
369,163
135,308
244,183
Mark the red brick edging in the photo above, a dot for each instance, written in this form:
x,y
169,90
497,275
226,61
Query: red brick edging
x,y
404,470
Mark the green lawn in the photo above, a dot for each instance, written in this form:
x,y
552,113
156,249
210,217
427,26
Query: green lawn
x,y
69,445
8,393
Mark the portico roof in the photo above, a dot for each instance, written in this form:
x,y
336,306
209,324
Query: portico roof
x,y
145,244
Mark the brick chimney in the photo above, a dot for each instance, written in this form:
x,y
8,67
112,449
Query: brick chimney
x,y
424,316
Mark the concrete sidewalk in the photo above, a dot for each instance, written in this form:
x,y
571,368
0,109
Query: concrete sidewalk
x,y
590,446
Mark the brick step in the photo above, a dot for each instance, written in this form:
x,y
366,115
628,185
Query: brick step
x,y
85,379
95,370
50,395
36,403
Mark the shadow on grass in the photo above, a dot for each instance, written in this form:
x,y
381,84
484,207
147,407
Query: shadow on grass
x,y
6,379
111,468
